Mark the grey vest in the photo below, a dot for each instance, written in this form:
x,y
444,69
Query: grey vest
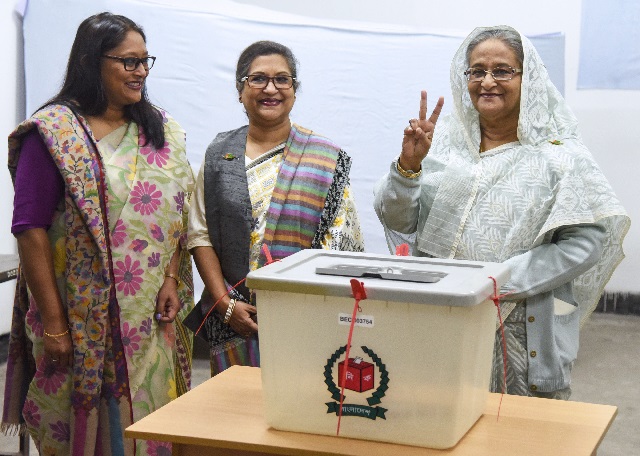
x,y
228,205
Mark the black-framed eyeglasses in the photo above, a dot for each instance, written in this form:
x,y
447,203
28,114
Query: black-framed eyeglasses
x,y
131,63
503,73
260,81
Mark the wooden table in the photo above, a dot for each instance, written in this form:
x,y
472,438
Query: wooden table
x,y
224,416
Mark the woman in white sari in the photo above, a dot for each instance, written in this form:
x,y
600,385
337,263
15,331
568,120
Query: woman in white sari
x,y
508,179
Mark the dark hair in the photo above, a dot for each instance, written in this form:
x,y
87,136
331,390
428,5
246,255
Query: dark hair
x,y
83,88
261,48
509,37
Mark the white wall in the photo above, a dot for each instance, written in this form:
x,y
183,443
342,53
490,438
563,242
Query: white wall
x,y
609,119
11,94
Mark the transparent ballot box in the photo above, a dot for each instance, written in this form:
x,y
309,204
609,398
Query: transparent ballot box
x,y
421,352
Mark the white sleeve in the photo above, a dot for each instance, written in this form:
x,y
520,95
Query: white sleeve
x,y
397,201
573,251
198,232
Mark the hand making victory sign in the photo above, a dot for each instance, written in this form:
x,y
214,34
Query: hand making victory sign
x,y
418,135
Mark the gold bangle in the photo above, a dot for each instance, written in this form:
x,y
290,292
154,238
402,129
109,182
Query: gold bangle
x,y
56,335
174,277
407,174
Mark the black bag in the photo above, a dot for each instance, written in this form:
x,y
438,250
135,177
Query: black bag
x,y
194,319
215,331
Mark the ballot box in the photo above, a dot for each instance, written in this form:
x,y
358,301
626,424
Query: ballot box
x,y
421,350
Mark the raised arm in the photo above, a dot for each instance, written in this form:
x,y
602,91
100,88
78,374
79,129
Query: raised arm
x,y
417,138
397,194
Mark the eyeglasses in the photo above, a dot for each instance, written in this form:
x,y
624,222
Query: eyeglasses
x,y
260,81
505,73
131,63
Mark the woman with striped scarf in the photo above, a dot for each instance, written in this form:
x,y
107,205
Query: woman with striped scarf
x,y
270,183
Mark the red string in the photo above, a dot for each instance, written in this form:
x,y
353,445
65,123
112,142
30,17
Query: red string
x,y
267,254
358,293
496,300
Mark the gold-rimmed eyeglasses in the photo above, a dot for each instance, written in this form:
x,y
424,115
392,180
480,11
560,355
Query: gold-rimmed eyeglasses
x,y
503,73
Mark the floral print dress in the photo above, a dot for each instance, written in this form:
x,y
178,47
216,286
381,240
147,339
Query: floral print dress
x,y
126,365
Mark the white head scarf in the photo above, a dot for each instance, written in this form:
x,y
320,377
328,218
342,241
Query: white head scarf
x,y
498,204
544,115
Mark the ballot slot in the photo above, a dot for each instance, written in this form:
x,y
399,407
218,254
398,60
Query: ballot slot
x,y
384,272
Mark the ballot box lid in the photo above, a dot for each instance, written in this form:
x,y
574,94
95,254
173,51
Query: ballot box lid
x,y
385,277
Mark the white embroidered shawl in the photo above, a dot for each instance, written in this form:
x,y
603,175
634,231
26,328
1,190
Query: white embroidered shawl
x,y
512,198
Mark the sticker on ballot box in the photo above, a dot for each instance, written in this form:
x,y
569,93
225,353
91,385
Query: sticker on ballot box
x,y
365,321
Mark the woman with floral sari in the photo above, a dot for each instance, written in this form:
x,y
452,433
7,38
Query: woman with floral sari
x,y
270,183
101,181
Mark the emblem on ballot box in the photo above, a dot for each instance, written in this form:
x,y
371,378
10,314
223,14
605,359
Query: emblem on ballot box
x,y
360,377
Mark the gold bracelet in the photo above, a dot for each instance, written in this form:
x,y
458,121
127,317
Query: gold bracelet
x,y
407,174
227,316
174,277
56,335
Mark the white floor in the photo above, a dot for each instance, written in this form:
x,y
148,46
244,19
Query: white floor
x,y
607,372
